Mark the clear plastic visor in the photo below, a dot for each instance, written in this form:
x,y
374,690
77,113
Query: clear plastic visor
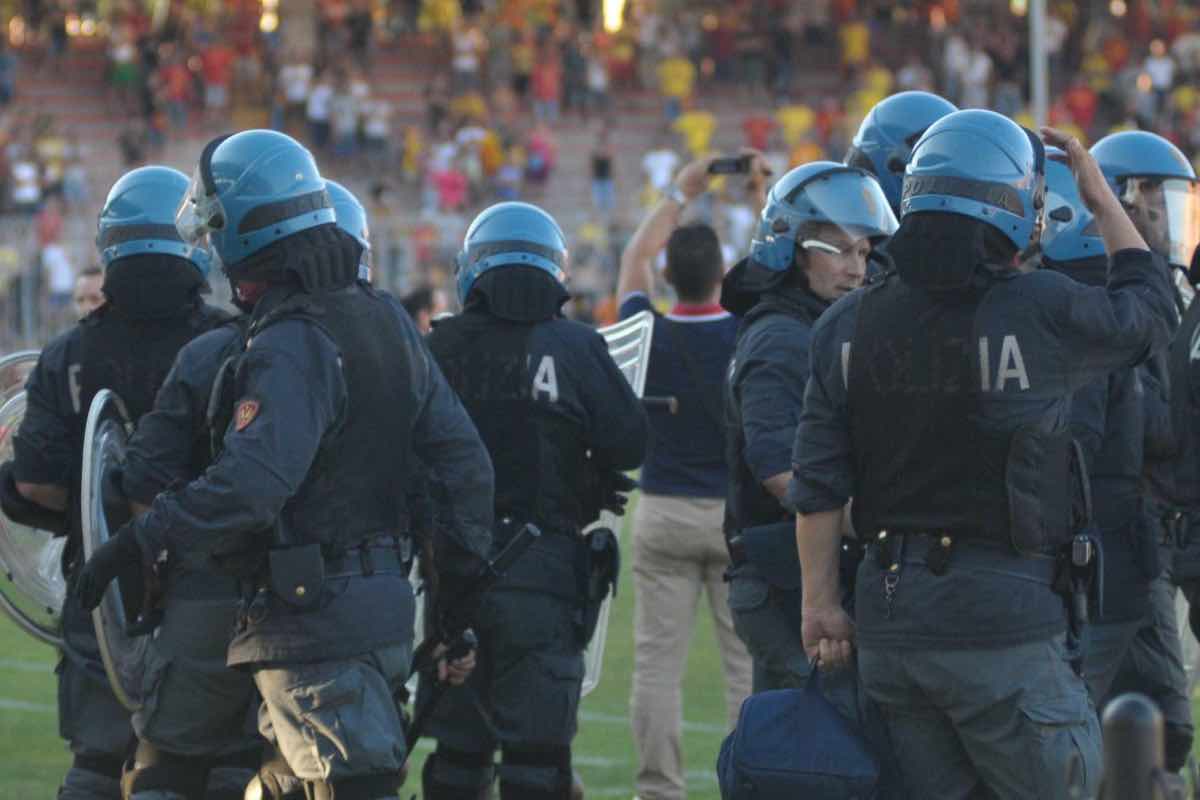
x,y
1166,211
849,201
199,214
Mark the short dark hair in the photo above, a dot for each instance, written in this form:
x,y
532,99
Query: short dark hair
x,y
694,262
420,299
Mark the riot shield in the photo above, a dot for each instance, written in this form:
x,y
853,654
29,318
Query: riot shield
x,y
104,442
32,587
629,345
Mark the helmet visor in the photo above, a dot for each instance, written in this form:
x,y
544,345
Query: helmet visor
x,y
847,200
1166,212
199,213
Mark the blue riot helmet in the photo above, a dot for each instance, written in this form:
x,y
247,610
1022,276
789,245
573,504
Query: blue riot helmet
x,y
511,234
821,192
352,218
1070,233
981,165
137,218
1158,189
886,137
250,190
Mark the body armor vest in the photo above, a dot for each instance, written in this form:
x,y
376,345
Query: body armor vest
x,y
539,455
355,487
922,460
132,356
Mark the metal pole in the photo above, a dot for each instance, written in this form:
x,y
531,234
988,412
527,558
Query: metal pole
x,y
1039,75
1133,748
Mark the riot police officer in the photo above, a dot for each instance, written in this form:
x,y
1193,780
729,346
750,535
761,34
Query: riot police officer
x,y
938,400
197,741
152,282
1123,649
560,420
333,397
1158,188
884,141
352,218
818,228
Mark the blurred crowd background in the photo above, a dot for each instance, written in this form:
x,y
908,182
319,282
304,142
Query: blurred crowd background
x,y
432,109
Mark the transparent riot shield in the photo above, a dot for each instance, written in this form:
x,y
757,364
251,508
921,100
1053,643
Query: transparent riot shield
x,y
104,441
629,345
32,587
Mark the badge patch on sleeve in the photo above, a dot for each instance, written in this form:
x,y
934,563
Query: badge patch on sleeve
x,y
245,413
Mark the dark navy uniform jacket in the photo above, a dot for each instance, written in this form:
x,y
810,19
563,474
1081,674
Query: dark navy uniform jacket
x,y
1045,337
48,444
764,395
293,371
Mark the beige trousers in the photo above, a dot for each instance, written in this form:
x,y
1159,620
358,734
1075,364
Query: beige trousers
x,y
678,552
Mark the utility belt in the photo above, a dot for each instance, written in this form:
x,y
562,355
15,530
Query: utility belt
x,y
297,575
1075,572
939,551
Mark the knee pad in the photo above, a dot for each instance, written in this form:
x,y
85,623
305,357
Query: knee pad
x,y
154,770
451,774
531,772
1178,746
92,777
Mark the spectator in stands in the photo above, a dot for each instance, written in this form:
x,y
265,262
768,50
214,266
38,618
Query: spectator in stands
x,y
295,78
976,79
360,27
343,116
547,82
87,295
678,545
659,164
424,304
216,65
597,79
317,109
603,191
676,82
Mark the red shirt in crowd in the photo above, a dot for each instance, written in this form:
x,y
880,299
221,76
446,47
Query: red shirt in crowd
x,y
177,82
217,65
1081,101
758,129
547,80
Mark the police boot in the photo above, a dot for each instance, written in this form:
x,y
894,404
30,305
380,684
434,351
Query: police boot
x,y
154,774
576,786
457,775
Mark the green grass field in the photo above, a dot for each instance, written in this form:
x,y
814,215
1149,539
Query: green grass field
x,y
33,758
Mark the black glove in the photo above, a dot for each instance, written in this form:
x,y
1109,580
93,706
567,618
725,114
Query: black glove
x,y
614,488
110,560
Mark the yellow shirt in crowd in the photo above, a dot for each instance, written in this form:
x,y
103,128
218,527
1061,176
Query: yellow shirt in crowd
x,y
676,77
794,121
696,128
